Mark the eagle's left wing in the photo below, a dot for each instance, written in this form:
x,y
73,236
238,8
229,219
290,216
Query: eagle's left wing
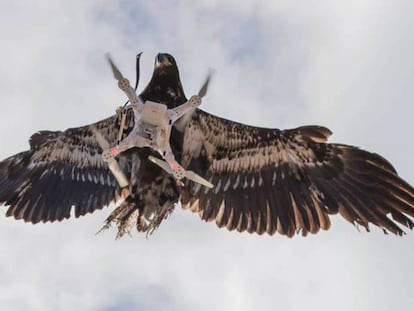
x,y
62,172
268,180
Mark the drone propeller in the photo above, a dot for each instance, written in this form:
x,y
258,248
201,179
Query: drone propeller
x,y
143,116
124,85
188,174
117,74
192,103
137,72
198,179
112,163
203,90
161,163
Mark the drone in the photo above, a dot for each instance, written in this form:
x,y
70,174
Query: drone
x,y
152,128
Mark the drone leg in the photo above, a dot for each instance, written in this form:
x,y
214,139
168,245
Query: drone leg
x,y
179,111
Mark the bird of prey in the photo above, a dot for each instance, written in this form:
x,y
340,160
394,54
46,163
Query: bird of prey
x,y
258,180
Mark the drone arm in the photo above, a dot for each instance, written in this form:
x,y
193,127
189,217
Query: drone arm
x,y
175,169
129,142
135,100
125,86
161,142
112,163
179,111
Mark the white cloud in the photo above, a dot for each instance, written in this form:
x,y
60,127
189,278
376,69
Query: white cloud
x,y
347,66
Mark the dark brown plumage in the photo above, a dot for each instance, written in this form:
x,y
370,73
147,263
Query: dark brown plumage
x,y
265,180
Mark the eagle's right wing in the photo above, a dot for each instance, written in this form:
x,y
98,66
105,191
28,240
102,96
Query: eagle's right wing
x,y
63,170
269,180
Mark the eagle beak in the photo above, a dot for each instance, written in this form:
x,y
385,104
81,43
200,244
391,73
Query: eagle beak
x,y
162,61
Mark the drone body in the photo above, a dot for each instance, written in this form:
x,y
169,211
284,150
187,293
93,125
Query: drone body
x,y
153,123
262,180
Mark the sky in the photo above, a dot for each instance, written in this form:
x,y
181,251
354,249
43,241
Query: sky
x,y
346,65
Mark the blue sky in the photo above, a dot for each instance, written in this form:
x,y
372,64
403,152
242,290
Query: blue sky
x,y
347,66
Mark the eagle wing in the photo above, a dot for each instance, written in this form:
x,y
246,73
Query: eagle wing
x,y
63,170
288,181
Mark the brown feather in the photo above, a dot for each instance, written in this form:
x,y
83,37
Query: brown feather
x,y
290,181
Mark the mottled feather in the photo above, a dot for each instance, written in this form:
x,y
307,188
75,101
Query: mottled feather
x,y
62,172
265,180
287,181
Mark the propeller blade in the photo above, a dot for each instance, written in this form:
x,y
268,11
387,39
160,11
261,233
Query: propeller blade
x,y
198,179
118,173
125,86
204,88
136,74
188,174
117,74
161,163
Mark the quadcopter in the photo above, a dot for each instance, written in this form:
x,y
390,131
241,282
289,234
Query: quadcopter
x,y
152,128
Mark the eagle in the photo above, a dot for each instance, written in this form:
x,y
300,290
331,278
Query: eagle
x,y
264,180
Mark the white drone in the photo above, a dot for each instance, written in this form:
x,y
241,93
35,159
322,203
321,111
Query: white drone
x,y
152,128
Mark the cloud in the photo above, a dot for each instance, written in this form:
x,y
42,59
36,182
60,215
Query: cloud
x,y
280,64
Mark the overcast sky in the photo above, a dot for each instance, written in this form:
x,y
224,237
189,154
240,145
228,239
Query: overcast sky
x,y
346,65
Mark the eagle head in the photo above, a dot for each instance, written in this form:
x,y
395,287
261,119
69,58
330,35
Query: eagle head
x,y
165,85
165,62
